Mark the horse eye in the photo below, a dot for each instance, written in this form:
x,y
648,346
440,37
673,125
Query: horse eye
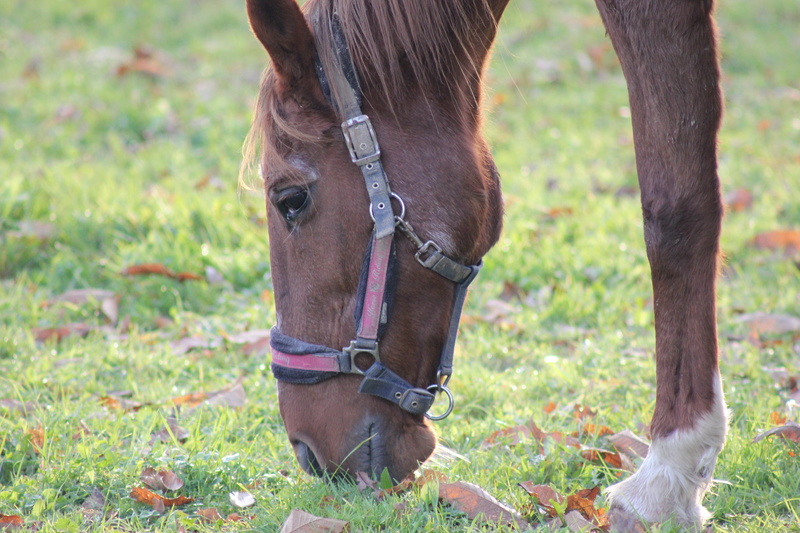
x,y
292,202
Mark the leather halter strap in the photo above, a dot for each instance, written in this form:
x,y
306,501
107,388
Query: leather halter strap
x,y
299,362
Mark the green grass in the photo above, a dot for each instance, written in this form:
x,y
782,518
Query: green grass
x,y
116,165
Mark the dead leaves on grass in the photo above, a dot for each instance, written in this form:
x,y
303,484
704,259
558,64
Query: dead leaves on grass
x,y
478,504
302,522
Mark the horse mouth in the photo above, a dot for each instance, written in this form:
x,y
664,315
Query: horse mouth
x,y
371,452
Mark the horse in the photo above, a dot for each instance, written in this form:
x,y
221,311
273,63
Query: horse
x,y
369,121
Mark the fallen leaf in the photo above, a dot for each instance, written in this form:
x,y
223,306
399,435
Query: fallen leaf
x,y
242,499
36,437
738,200
158,269
186,344
142,62
158,502
550,407
511,291
209,514
787,240
236,517
161,479
597,430
233,396
582,411
776,419
92,507
301,522
559,211
18,407
123,404
597,454
761,323
11,522
479,504
789,431
514,435
108,300
577,523
629,443
544,495
192,399
61,332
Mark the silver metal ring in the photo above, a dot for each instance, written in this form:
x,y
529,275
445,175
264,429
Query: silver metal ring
x,y
450,402
400,201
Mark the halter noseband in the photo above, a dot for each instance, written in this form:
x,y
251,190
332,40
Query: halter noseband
x,y
299,362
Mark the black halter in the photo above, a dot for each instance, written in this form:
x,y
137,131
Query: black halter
x,y
299,362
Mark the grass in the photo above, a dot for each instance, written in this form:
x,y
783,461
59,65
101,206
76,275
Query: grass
x,y
139,169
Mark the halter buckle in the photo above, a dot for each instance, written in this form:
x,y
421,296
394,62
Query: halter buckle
x,y
353,351
362,143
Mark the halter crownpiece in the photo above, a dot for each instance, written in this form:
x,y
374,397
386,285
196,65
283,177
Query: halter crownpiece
x,y
299,362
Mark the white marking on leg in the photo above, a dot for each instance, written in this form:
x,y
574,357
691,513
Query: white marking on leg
x,y
677,471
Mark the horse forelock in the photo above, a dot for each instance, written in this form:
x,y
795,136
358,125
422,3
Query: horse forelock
x,y
399,48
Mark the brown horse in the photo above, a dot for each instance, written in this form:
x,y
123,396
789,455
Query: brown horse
x,y
350,271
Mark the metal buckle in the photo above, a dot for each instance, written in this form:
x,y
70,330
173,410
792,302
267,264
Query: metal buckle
x,y
425,249
353,351
361,140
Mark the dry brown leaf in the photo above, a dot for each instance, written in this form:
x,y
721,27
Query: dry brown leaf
x,y
209,514
597,430
596,454
776,419
761,323
158,269
787,240
17,407
61,332
428,475
171,431
11,522
514,435
582,411
627,442
192,399
142,62
302,522
479,504
738,200
789,431
36,437
545,496
116,402
108,300
92,507
577,523
158,502
186,344
236,517
161,479
511,291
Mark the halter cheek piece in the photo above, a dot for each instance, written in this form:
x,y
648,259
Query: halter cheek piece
x,y
299,362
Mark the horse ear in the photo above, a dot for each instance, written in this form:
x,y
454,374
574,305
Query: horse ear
x,y
284,32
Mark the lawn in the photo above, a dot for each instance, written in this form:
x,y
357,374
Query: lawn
x,y
121,126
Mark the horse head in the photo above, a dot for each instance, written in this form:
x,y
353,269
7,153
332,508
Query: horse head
x,y
382,198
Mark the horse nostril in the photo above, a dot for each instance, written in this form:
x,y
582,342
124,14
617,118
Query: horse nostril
x,y
306,458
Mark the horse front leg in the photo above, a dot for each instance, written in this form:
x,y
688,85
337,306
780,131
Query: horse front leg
x,y
668,54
